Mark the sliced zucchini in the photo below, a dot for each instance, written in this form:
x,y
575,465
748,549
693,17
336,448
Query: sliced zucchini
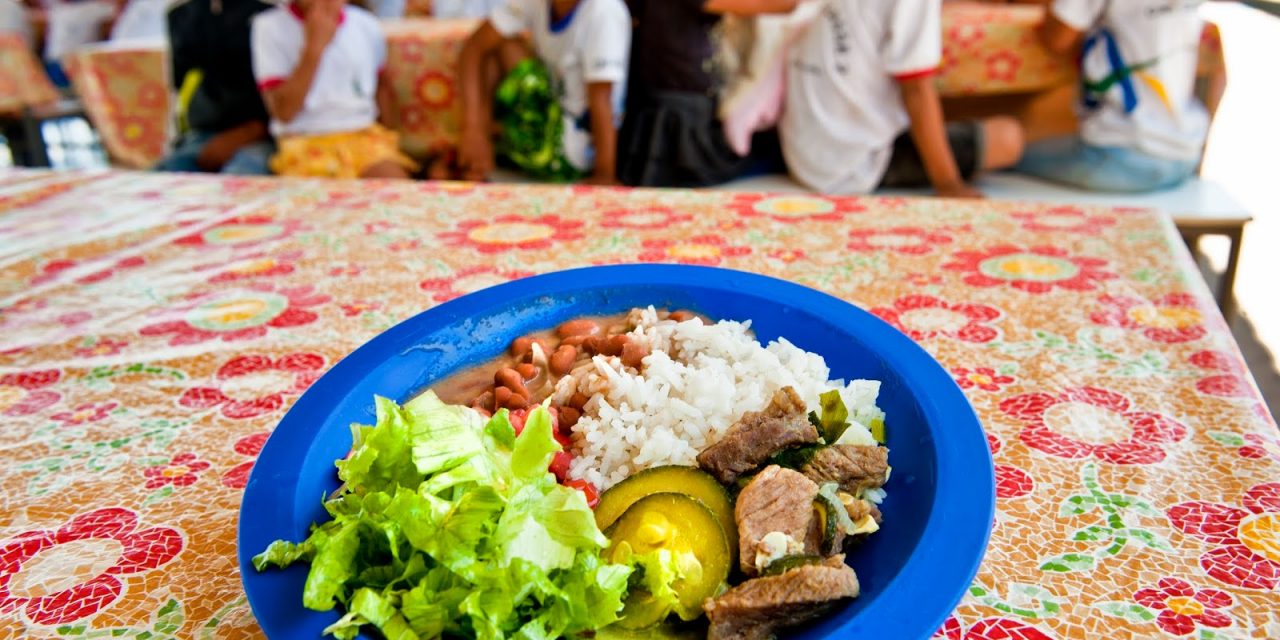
x,y
681,524
690,481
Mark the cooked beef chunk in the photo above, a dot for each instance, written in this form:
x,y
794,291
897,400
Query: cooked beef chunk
x,y
758,435
755,609
776,499
854,467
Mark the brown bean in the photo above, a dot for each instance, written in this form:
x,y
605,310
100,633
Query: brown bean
x,y
681,316
579,327
575,341
484,401
508,377
520,346
578,400
517,402
527,371
633,354
569,417
561,361
614,345
501,396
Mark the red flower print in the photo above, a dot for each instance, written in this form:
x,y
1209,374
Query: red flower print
x,y
345,270
1171,319
258,265
512,232
435,90
1091,422
1003,66
378,226
965,34
907,240
706,250
255,385
51,269
786,255
923,279
1064,220
643,218
180,471
795,208
239,314
60,576
1182,608
102,347
1034,270
242,231
923,317
85,413
990,629
404,244
22,394
1011,482
1257,447
1228,380
1245,541
358,307
984,378
469,280
153,95
132,262
238,476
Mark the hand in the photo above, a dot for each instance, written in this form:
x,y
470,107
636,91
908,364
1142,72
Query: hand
x,y
221,147
475,156
321,24
958,190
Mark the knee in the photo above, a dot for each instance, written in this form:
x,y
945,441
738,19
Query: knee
x,y
1004,142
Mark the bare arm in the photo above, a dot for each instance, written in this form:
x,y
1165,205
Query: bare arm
x,y
388,109
750,7
603,134
1059,37
285,101
928,131
475,150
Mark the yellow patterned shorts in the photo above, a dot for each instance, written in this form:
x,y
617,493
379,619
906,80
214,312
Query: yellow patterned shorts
x,y
339,155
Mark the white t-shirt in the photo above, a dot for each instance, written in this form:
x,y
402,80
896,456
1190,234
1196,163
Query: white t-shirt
x,y
843,106
463,8
343,95
13,19
1152,108
591,44
142,20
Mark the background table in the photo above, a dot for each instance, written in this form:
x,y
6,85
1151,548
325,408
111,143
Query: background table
x,y
146,355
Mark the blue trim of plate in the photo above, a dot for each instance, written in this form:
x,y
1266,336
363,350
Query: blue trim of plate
x,y
941,504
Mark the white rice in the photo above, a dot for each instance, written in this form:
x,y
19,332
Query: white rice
x,y
698,380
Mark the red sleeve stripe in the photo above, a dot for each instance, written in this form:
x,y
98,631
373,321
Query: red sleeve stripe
x,y
915,75
270,83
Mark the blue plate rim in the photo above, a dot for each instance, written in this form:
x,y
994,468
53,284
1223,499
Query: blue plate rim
x,y
958,547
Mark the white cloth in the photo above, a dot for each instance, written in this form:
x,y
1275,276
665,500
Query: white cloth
x,y
592,44
463,8
142,20
343,95
843,107
73,25
1159,42
387,9
13,19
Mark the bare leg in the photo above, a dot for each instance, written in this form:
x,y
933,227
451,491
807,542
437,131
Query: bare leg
x,y
1003,142
386,169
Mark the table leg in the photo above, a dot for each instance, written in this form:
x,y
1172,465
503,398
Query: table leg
x,y
37,154
1227,286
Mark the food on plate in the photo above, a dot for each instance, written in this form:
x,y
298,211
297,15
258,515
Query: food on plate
x,y
755,609
727,480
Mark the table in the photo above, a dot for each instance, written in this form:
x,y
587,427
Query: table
x,y
145,358
23,83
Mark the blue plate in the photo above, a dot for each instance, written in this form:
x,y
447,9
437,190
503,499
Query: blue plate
x,y
941,502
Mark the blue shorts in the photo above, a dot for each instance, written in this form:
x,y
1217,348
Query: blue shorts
x,y
251,160
1073,162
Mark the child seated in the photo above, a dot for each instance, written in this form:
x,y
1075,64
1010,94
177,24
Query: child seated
x,y
318,64
862,110
560,111
1141,128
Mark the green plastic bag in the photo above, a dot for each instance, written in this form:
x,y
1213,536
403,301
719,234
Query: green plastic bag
x,y
529,111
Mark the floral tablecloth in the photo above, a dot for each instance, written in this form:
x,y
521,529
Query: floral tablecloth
x,y
23,82
154,329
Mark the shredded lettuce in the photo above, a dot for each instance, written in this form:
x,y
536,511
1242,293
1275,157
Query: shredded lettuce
x,y
450,525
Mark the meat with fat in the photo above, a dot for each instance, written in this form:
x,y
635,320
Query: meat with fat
x,y
853,467
757,608
776,500
759,434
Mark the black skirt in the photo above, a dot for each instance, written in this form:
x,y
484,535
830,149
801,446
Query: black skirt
x,y
674,139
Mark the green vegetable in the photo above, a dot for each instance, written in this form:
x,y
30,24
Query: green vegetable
x,y
691,481
877,430
529,110
787,563
448,525
795,457
834,417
